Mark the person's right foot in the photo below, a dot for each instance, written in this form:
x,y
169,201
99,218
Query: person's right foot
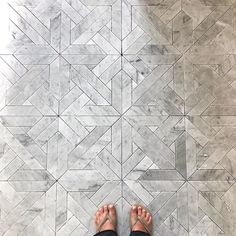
x,y
141,220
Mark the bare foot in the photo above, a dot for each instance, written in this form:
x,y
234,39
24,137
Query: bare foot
x,y
105,218
141,220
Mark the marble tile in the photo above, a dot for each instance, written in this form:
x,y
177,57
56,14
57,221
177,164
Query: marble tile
x,y
117,101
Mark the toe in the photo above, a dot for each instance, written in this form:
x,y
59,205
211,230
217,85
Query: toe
x,y
97,217
147,216
139,210
143,215
101,210
105,209
112,209
133,211
149,220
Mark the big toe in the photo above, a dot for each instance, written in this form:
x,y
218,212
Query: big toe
x,y
112,210
133,212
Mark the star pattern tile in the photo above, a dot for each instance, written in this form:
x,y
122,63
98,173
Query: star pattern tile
x,y
122,101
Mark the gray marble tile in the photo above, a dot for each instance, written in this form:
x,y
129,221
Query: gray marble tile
x,y
118,101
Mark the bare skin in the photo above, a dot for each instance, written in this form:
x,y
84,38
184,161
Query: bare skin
x,y
146,217
110,211
102,214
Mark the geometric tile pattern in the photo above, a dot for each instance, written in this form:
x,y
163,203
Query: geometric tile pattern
x,y
125,101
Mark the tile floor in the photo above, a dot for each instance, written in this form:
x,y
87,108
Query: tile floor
x,y
125,101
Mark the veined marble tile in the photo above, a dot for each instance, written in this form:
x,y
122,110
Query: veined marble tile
x,y
117,101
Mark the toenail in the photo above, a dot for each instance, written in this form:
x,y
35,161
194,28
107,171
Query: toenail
x,y
110,206
134,207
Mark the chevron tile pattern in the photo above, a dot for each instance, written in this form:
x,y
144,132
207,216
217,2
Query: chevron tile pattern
x,y
123,101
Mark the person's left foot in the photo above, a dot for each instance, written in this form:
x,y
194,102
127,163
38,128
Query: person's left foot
x,y
106,218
